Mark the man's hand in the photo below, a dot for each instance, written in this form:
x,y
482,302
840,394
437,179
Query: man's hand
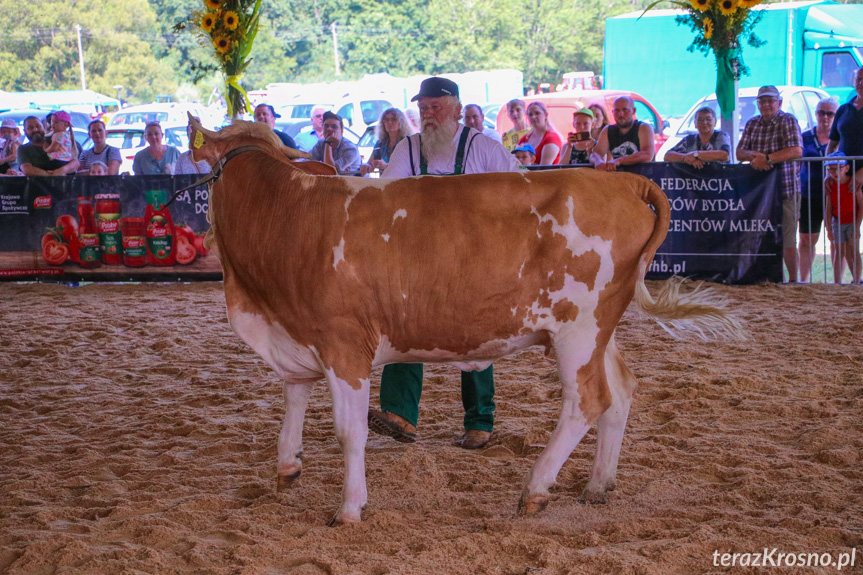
x,y
607,166
759,162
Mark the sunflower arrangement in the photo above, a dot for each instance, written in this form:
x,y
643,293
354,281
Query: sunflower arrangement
x,y
229,27
721,27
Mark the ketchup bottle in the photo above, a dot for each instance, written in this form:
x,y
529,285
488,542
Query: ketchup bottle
x,y
160,229
108,224
89,250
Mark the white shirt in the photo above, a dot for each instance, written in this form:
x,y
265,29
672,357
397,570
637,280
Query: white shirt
x,y
482,154
492,134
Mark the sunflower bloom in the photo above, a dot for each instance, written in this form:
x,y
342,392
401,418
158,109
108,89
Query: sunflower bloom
x,y
208,22
728,7
748,3
230,19
701,5
708,28
222,44
213,4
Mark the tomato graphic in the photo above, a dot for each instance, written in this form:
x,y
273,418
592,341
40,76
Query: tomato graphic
x,y
68,228
54,252
186,252
198,242
50,236
185,231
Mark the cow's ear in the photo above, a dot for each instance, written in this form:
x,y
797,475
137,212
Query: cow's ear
x,y
198,137
197,127
315,168
297,154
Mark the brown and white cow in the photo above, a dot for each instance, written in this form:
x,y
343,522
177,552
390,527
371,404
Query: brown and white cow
x,y
328,277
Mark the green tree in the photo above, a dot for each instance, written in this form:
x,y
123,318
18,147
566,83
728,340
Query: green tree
x,y
40,51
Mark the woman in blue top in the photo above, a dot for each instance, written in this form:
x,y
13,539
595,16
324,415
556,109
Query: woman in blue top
x,y
156,158
391,129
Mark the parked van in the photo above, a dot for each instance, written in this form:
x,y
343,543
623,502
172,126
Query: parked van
x,y
173,113
561,106
358,113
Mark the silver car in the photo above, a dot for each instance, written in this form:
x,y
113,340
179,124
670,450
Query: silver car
x,y
797,100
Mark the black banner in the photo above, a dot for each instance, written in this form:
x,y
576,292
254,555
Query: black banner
x,y
725,225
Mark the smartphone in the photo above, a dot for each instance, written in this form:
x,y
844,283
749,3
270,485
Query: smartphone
x,y
582,136
376,154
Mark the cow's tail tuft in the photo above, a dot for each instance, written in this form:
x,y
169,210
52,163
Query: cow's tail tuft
x,y
702,311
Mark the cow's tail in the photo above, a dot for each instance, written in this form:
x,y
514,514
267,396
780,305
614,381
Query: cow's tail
x,y
702,311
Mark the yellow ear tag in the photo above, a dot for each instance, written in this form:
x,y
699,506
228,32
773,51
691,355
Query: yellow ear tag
x,y
199,139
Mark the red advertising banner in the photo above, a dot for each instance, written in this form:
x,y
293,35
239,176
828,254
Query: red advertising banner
x,y
104,228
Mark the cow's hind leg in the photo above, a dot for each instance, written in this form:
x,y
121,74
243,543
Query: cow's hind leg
x,y
291,437
610,427
583,380
350,413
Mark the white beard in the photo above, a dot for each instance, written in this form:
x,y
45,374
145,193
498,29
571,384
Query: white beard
x,y
437,140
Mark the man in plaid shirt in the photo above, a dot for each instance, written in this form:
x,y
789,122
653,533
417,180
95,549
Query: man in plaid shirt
x,y
774,138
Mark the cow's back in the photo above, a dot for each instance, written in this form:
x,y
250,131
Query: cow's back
x,y
453,261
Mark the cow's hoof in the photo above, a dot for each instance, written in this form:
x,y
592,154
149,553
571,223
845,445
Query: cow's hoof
x,y
342,519
593,497
285,481
532,505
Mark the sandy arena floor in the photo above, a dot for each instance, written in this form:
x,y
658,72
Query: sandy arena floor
x,y
139,435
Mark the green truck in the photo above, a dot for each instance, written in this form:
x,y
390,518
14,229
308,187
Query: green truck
x,y
817,44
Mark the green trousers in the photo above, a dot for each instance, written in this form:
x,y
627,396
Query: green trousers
x,y
402,386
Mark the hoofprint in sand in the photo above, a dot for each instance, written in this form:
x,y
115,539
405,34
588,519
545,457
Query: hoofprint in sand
x,y
139,436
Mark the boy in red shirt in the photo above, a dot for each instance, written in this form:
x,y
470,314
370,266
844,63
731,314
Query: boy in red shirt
x,y
843,208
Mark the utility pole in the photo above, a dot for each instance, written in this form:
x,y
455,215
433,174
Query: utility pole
x,y
81,58
335,47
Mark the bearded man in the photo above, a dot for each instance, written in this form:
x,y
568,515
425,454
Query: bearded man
x,y
32,158
443,147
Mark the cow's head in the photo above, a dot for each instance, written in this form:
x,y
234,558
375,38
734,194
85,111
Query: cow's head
x,y
212,146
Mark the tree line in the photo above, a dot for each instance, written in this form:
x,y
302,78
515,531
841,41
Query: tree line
x,y
142,46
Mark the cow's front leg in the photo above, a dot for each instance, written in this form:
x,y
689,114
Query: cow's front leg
x,y
350,413
291,437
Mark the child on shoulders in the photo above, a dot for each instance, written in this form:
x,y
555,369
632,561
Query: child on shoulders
x,y
62,145
843,208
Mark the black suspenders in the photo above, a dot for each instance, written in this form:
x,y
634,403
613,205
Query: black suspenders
x,y
459,155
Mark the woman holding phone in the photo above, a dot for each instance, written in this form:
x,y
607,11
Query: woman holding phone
x,y
391,129
580,143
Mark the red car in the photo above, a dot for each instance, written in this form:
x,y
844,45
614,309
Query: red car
x,y
561,106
